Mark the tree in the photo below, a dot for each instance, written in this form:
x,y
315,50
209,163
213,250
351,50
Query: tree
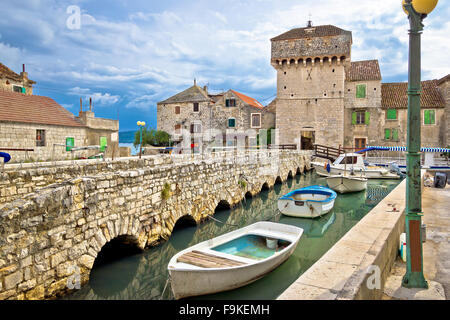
x,y
152,137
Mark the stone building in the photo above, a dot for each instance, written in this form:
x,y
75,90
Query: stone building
x,y
325,98
38,123
207,117
11,81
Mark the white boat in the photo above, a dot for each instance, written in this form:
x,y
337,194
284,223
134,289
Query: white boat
x,y
345,184
232,260
308,202
352,162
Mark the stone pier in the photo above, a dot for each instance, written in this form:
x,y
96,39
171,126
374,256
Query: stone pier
x,y
53,229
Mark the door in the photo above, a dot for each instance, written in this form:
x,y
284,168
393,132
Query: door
x,y
360,144
307,140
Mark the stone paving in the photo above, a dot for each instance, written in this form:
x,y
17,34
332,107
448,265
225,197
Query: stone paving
x,y
436,252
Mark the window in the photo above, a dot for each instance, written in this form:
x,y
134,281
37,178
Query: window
x,y
231,122
361,91
230,102
360,117
391,134
178,129
360,143
429,117
196,128
40,138
349,160
256,120
196,108
391,114
70,143
103,144
177,110
19,89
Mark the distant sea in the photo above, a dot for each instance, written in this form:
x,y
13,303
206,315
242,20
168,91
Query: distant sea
x,y
126,139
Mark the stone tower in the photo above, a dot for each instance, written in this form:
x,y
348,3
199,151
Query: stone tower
x,y
310,64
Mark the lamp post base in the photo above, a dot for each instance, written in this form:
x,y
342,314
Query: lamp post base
x,y
414,280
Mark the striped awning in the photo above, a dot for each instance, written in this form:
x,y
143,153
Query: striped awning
x,y
425,149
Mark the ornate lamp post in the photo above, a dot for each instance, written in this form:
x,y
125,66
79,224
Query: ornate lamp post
x,y
417,10
141,124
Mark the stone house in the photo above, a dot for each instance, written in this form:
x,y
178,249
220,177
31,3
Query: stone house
x,y
11,81
46,129
325,98
204,117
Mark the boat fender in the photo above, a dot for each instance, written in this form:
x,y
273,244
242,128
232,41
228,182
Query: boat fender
x,y
6,156
328,168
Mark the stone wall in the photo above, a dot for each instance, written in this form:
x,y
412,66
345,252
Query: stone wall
x,y
50,237
311,98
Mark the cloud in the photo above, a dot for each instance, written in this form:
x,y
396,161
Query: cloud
x,y
97,97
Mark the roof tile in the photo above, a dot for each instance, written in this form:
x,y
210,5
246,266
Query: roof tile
x,y
366,70
394,95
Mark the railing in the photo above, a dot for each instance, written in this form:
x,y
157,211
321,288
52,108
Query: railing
x,y
326,152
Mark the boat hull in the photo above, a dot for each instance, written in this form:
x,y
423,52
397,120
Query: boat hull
x,y
343,184
307,210
370,173
188,282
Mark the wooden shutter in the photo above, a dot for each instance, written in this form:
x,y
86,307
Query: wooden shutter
x,y
432,117
387,134
367,118
391,114
103,143
395,134
353,118
70,143
361,91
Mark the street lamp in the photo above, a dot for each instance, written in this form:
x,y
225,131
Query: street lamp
x,y
416,10
141,125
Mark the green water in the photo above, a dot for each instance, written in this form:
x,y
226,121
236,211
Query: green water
x,y
144,275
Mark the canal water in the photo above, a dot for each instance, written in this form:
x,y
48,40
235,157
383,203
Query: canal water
x,y
144,275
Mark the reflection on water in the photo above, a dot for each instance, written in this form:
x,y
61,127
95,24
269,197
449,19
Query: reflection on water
x,y
144,276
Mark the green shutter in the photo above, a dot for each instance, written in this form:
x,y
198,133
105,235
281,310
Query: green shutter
x,y
367,119
395,134
24,90
387,134
361,91
103,143
70,143
392,114
353,118
432,117
426,117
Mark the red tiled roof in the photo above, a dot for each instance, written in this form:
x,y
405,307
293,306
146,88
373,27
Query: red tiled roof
x,y
394,95
248,100
363,71
17,107
444,79
8,73
310,32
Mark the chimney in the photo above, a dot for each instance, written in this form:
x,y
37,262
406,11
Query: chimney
x,y
90,104
195,82
81,104
205,88
23,68
23,74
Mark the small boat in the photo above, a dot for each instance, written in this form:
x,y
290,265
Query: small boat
x,y
308,202
339,167
232,260
345,183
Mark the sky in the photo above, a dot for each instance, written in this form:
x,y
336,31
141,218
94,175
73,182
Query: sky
x,y
128,55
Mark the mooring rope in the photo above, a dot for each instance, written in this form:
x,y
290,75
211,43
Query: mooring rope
x,y
165,287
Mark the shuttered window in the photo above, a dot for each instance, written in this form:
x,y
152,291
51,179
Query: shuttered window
x,y
70,143
391,114
40,138
429,117
231,123
361,91
177,110
361,117
103,143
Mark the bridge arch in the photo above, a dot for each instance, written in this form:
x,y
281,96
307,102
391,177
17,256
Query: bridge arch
x,y
278,180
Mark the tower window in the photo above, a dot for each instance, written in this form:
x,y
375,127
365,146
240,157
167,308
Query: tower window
x,y
40,138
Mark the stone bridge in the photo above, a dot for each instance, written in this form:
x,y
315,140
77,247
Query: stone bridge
x,y
50,237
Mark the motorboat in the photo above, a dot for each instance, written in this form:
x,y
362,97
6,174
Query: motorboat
x,y
232,260
308,202
347,183
347,163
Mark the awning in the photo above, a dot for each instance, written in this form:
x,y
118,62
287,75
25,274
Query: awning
x,y
425,149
